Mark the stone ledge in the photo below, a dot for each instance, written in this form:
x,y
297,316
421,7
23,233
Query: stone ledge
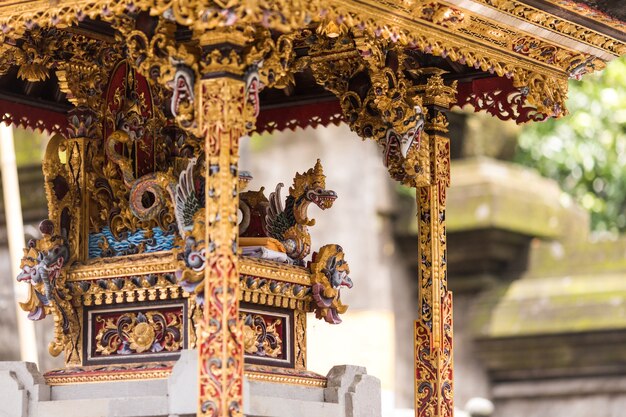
x,y
490,194
565,355
486,193
564,387
23,393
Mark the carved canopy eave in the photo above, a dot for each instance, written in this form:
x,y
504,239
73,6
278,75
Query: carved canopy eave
x,y
536,50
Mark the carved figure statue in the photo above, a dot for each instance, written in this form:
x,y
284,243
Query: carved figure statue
x,y
192,259
41,265
288,223
329,272
399,145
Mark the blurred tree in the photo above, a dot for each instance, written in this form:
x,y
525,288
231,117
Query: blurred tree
x,y
586,151
29,146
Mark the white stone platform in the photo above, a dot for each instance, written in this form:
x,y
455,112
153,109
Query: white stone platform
x,y
350,392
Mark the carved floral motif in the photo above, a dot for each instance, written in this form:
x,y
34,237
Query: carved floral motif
x,y
130,333
261,335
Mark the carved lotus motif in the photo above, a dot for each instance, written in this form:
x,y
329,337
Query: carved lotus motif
x,y
142,337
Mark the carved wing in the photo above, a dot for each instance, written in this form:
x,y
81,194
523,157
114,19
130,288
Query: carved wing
x,y
186,202
276,220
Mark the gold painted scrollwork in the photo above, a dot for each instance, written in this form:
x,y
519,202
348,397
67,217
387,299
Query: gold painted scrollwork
x,y
261,336
141,332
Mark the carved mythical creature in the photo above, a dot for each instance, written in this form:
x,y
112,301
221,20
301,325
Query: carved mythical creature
x,y
289,223
329,272
395,144
149,194
146,198
41,265
190,273
187,202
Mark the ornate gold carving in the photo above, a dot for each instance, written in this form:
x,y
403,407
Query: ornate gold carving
x,y
125,290
376,98
558,24
402,23
433,344
117,373
223,116
161,262
63,170
261,337
286,379
34,56
141,264
42,268
300,339
329,272
267,269
439,123
225,37
85,75
288,222
274,293
140,332
114,373
405,25
435,92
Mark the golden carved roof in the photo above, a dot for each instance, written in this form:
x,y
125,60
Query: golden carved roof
x,y
538,44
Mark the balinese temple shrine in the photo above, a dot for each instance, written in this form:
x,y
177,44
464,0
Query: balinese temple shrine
x,y
178,288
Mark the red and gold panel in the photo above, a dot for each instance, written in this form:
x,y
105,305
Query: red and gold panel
x,y
129,107
268,335
154,333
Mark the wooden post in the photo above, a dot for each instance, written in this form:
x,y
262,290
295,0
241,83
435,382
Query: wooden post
x,y
220,107
226,107
433,329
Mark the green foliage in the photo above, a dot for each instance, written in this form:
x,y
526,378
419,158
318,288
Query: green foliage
x,y
29,146
586,151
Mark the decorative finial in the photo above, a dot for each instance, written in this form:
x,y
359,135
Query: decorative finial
x,y
318,170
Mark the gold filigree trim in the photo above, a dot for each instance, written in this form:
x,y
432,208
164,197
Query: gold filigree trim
x,y
165,373
557,24
160,262
286,379
273,270
400,21
111,376
267,297
141,264
97,296
584,10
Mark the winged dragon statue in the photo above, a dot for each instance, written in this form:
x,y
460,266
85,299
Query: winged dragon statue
x,y
288,222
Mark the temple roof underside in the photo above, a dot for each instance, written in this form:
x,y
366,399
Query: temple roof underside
x,y
510,58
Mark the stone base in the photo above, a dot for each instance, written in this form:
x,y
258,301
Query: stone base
x,y
349,392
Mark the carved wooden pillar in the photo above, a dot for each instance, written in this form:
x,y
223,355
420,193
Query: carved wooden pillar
x,y
383,89
433,329
224,113
78,150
